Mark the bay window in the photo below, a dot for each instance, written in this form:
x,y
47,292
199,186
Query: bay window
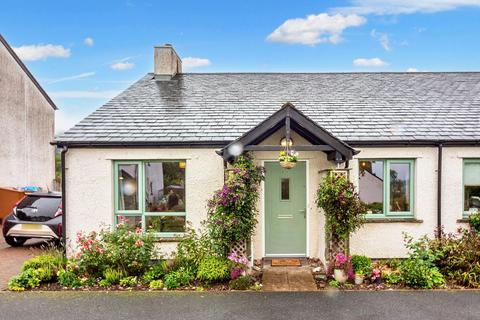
x,y
386,187
151,195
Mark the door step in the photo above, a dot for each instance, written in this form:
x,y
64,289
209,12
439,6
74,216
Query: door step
x,y
286,262
288,279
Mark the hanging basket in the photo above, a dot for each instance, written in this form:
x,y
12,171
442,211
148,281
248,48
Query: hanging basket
x,y
288,164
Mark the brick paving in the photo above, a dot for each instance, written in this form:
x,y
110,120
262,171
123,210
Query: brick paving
x,y
11,259
288,279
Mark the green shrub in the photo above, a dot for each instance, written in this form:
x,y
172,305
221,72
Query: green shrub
x,y
113,276
192,249
420,269
68,278
334,283
241,283
128,282
122,248
178,278
156,272
156,285
88,282
213,269
361,264
474,220
47,264
392,278
459,257
419,273
393,263
26,279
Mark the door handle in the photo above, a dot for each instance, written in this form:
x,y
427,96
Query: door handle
x,y
304,212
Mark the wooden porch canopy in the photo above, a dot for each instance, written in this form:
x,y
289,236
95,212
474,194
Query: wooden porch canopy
x,y
292,119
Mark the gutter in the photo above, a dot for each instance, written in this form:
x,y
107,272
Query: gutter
x,y
64,202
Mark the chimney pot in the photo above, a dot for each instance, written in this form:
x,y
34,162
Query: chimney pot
x,y
167,63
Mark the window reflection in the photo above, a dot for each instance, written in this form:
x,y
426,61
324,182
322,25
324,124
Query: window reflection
x,y
165,186
128,187
371,185
400,187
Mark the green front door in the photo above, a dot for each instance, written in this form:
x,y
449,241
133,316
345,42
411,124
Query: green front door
x,y
285,210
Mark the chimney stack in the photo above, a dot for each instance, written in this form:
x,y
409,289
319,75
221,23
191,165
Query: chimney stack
x,y
167,63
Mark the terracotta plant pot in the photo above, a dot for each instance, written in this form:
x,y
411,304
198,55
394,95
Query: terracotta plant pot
x,y
287,164
340,275
359,279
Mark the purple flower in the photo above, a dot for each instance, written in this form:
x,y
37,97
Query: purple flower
x,y
236,272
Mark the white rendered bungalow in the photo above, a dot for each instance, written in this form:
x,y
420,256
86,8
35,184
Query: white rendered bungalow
x,y
157,152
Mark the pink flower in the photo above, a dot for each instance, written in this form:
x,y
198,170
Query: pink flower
x,y
138,231
138,243
376,273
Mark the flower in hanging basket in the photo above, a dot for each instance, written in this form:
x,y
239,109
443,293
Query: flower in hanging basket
x,y
288,156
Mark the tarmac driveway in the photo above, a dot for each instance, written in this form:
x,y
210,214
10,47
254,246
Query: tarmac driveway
x,y
11,259
368,305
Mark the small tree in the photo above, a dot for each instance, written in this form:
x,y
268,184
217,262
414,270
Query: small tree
x,y
344,212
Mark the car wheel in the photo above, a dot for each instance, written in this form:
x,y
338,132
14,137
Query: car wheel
x,y
15,241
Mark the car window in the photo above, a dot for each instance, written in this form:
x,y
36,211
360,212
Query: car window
x,y
35,206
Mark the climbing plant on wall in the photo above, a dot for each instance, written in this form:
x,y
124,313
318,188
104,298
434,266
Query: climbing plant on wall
x,y
344,212
233,209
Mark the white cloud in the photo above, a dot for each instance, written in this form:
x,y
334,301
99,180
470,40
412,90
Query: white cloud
x,y
106,94
373,62
122,65
382,7
75,77
88,41
191,62
315,29
382,38
412,70
41,52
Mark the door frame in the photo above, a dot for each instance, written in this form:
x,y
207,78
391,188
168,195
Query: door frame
x,y
307,214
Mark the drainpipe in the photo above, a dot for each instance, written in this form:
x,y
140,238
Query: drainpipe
x,y
64,202
439,191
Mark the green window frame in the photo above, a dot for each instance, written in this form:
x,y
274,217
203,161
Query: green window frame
x,y
472,181
387,180
141,210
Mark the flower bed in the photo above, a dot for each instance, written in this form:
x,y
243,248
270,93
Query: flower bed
x,y
449,262
120,259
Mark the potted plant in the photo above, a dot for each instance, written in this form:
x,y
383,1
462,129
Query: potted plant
x,y
341,266
362,266
288,158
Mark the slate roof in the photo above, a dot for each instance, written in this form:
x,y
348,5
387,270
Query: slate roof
x,y
216,108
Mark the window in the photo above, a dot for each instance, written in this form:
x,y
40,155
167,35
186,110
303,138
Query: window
x,y
386,187
151,195
285,186
471,186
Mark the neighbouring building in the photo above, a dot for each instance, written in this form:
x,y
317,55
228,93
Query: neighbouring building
x,y
156,153
27,115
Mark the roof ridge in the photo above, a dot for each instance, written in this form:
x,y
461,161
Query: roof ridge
x,y
326,72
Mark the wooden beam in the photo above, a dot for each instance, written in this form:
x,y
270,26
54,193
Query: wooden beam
x,y
320,147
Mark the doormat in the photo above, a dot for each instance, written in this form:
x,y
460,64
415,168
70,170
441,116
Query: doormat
x,y
286,263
